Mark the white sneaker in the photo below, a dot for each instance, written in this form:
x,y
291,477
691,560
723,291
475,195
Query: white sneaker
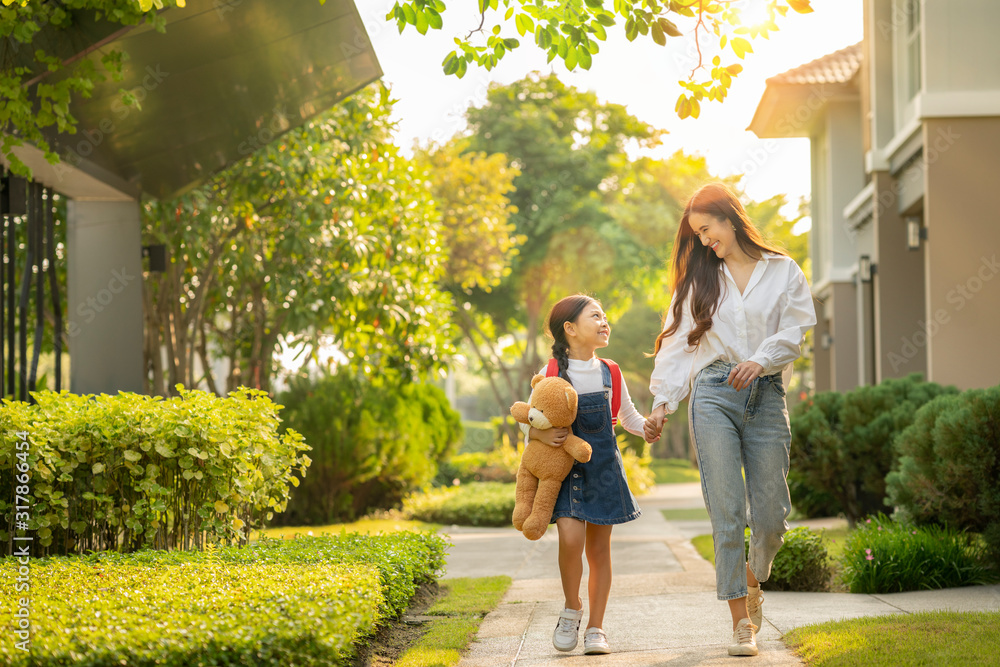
x,y
744,639
595,642
755,603
567,632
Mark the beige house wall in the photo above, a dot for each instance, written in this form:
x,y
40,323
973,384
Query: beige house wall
x,y
899,289
841,308
962,253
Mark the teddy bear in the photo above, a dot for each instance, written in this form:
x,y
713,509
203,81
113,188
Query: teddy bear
x,y
552,404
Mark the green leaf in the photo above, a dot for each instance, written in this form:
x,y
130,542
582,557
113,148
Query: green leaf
x,y
658,35
631,30
433,18
422,23
668,27
583,55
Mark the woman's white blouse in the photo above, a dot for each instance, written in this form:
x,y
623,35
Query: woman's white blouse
x,y
765,324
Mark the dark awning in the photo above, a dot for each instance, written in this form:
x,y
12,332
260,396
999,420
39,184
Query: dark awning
x,y
226,77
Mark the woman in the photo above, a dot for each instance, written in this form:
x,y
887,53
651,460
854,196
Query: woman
x,y
739,312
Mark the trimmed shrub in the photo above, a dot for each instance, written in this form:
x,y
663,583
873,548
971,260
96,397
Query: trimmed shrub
x,y
127,471
373,442
842,444
948,469
306,601
479,437
882,556
499,465
477,504
801,564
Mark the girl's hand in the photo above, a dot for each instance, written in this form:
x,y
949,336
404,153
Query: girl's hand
x,y
654,424
554,437
743,374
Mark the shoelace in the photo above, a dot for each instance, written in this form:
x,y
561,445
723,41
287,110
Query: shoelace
x,y
744,633
754,602
568,624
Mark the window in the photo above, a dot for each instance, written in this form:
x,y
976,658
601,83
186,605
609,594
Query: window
x,y
906,20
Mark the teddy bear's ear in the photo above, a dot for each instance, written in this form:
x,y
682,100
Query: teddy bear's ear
x,y
570,398
535,380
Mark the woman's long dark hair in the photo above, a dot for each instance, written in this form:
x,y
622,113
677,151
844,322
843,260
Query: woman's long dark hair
x,y
566,310
696,267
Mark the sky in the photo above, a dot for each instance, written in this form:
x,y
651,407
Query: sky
x,y
638,75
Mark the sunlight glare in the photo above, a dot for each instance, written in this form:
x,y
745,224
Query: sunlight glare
x,y
753,12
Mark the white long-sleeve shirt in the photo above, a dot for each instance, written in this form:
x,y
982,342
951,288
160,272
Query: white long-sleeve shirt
x,y
765,324
586,377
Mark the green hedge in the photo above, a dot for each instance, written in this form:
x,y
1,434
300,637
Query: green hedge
x,y
476,504
479,437
305,601
948,469
373,442
842,444
127,471
801,564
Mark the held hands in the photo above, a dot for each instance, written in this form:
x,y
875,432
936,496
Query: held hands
x,y
743,374
554,437
654,424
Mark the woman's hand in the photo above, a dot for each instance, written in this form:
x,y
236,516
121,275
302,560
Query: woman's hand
x,y
743,374
554,437
654,424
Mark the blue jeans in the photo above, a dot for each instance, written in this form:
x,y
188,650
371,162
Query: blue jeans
x,y
745,429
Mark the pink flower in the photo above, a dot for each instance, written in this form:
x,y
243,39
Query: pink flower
x,y
880,527
868,551
868,520
869,557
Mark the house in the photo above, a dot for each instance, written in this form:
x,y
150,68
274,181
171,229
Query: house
x,y
904,130
226,77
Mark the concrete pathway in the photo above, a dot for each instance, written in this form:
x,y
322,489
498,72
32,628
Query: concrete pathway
x,y
663,610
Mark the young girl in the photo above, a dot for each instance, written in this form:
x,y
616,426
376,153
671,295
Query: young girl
x,y
595,495
740,310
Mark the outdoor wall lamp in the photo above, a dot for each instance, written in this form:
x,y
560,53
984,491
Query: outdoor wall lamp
x,y
914,233
866,269
826,340
157,255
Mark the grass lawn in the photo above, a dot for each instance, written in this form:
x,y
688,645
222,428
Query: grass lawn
x,y
674,471
833,538
367,526
462,607
693,514
925,638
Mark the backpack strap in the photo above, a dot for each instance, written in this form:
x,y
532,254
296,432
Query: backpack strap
x,y
552,369
616,389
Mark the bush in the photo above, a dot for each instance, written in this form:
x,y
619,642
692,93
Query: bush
x,y
842,444
127,471
373,442
801,564
881,556
499,465
306,601
477,504
479,437
948,469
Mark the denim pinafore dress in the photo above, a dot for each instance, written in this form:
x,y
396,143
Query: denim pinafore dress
x,y
597,491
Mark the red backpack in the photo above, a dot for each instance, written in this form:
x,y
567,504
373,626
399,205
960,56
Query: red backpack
x,y
616,384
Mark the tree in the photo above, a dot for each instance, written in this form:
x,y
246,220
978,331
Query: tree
x,y
324,234
570,30
471,191
567,147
